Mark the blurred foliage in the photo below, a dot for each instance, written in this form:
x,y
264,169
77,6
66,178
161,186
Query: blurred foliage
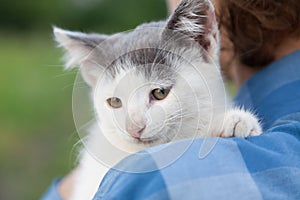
x,y
100,15
37,132
36,120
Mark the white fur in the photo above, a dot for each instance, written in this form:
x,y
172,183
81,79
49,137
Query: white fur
x,y
240,123
113,123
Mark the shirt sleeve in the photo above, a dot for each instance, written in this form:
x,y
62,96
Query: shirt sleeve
x,y
52,192
262,167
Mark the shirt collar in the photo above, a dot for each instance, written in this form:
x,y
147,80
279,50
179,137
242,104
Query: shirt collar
x,y
260,88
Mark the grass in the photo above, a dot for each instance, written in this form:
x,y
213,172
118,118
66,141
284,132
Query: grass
x,y
36,126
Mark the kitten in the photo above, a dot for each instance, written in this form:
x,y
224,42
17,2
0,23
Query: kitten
x,y
157,83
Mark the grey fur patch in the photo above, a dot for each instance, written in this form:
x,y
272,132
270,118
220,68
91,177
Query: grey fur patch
x,y
152,63
91,40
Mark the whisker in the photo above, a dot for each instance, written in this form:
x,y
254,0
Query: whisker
x,y
65,74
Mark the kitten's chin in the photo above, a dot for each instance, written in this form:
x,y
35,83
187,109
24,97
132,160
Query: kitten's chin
x,y
147,141
143,143
129,144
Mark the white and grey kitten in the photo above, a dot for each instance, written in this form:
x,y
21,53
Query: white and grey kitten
x,y
152,85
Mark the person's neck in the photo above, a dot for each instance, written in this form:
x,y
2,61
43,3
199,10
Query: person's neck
x,y
287,46
243,73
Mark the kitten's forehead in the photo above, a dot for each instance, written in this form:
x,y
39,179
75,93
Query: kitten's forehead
x,y
151,63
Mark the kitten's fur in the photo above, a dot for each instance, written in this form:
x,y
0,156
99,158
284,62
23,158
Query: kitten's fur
x,y
129,66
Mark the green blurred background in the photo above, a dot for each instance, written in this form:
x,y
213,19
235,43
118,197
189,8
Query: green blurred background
x,y
37,133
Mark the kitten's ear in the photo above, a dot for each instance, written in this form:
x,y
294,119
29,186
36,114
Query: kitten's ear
x,y
196,19
80,49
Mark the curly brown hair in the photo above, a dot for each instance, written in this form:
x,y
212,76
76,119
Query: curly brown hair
x,y
256,27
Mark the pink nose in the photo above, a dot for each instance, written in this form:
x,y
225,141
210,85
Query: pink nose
x,y
135,132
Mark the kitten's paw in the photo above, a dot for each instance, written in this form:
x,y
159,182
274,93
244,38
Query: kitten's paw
x,y
240,123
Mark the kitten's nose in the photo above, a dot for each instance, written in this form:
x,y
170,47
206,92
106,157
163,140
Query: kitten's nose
x,y
135,131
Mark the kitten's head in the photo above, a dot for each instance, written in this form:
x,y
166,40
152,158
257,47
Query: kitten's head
x,y
148,84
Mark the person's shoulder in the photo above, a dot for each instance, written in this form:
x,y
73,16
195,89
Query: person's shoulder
x,y
185,168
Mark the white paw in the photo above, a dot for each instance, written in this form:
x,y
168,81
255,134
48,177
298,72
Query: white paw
x,y
240,123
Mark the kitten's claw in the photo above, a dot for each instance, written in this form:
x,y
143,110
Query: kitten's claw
x,y
240,123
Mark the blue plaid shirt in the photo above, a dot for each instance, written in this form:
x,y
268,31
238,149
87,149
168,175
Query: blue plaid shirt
x,y
262,167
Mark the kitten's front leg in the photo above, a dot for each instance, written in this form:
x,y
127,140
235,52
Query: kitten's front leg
x,y
240,123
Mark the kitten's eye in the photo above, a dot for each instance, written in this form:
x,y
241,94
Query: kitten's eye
x,y
114,102
160,93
